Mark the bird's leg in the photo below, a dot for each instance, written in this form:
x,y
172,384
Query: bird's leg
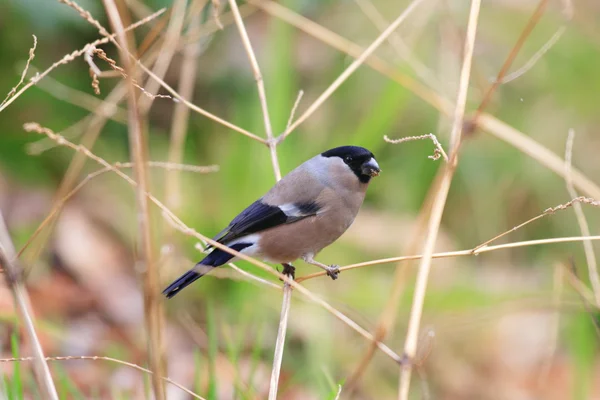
x,y
332,270
289,270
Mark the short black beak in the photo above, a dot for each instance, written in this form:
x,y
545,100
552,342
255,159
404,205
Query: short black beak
x,y
371,168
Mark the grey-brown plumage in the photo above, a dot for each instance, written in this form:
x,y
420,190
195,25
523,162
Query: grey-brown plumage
x,y
303,213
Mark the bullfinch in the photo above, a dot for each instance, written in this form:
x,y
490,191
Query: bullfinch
x,y
306,211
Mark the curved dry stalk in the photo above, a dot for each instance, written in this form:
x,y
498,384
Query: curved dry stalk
x,y
437,153
397,43
24,73
12,274
260,84
533,20
536,57
581,221
280,342
410,346
114,360
181,115
166,53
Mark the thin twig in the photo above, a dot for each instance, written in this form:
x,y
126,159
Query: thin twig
x,y
410,346
557,291
437,153
294,108
12,274
24,73
280,342
261,87
581,221
181,115
167,51
586,294
115,360
82,99
533,20
152,306
548,211
536,57
398,44
351,69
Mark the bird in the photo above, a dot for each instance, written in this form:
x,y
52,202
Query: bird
x,y
304,212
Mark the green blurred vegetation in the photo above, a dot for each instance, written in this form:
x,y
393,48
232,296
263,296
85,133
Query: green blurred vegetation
x,y
495,188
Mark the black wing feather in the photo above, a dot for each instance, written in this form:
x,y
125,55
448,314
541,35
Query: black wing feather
x,y
260,216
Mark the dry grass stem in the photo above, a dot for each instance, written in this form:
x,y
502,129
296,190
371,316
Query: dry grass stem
x,y
86,15
533,20
410,346
294,108
153,312
280,342
181,115
536,57
84,100
395,40
72,56
548,211
588,247
254,277
211,27
166,53
195,107
121,71
554,331
437,152
538,152
339,392
582,290
24,73
13,276
216,5
102,358
260,84
351,68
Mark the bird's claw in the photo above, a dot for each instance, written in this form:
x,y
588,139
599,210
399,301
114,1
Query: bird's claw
x,y
289,270
333,271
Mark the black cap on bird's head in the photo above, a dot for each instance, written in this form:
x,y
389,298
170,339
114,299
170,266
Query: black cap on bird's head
x,y
360,160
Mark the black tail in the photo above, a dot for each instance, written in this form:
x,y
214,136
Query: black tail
x,y
181,283
214,259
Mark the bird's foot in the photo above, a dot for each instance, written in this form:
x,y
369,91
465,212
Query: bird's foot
x,y
289,270
333,271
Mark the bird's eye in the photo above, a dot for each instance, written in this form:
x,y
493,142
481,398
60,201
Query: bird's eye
x,y
348,159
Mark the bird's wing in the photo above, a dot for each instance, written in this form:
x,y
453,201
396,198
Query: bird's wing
x,y
260,216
